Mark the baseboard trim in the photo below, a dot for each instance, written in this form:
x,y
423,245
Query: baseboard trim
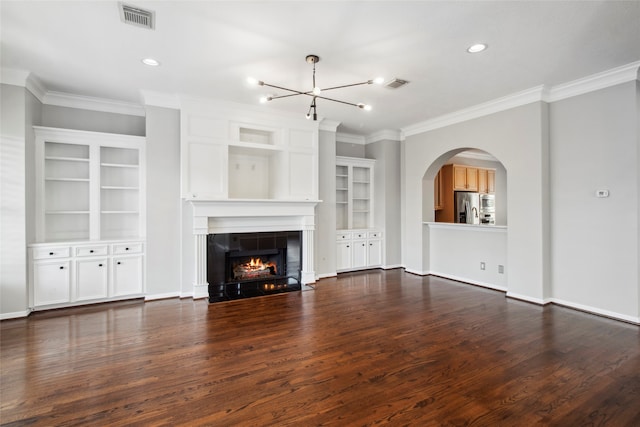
x,y
166,295
527,298
469,281
326,275
597,311
15,315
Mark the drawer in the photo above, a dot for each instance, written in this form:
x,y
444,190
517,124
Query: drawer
x,y
360,235
375,234
343,236
51,252
127,248
92,250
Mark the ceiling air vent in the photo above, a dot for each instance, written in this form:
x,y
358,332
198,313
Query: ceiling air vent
x,y
136,16
396,83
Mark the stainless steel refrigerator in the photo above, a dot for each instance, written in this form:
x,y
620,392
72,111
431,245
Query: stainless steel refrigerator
x,y
467,207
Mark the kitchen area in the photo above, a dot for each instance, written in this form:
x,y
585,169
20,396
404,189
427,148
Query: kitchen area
x,y
465,194
467,238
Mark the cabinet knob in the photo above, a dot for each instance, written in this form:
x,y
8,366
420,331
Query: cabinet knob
x,y
363,244
50,253
370,244
62,267
99,265
119,263
347,245
126,249
90,251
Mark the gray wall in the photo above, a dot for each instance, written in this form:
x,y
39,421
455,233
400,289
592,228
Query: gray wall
x,y
325,235
96,121
13,253
163,202
595,241
387,196
348,149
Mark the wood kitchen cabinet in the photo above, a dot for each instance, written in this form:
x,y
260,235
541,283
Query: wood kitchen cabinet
x,y
465,178
452,178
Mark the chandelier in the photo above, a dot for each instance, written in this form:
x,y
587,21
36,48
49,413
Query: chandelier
x,y
315,93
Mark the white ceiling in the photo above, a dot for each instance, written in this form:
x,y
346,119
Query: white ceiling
x,y
209,48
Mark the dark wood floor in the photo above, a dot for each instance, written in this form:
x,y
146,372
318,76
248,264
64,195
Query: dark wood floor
x,y
367,348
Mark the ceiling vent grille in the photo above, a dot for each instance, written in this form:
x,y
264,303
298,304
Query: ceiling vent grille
x,y
396,83
136,16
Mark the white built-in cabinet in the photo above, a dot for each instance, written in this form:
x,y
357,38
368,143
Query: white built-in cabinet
x,y
229,154
359,244
90,218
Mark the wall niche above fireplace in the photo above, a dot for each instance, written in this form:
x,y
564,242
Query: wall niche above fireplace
x,y
230,152
244,265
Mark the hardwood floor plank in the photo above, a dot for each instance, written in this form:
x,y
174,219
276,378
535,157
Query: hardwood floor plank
x,y
366,348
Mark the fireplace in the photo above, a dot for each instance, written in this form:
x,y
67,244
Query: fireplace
x,y
244,265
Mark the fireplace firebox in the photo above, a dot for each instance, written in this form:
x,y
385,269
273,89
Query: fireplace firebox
x,y
244,265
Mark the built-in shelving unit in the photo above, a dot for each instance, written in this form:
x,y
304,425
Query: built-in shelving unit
x,y
354,193
90,218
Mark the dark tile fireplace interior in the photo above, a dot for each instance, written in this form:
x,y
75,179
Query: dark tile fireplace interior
x,y
244,265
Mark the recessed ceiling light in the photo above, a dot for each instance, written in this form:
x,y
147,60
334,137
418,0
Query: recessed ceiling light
x,y
150,62
477,48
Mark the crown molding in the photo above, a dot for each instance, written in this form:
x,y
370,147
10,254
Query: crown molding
x,y
13,76
350,138
500,104
384,135
62,99
329,125
35,86
476,156
160,99
605,79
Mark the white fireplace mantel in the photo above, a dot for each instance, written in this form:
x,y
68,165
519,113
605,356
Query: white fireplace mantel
x,y
251,216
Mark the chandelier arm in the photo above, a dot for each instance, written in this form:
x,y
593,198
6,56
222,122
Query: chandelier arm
x,y
290,95
297,92
337,100
368,82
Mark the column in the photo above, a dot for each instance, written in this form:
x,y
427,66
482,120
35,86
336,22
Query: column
x,y
200,286
307,274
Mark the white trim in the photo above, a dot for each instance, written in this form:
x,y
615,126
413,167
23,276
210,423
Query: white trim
x,y
35,86
62,99
160,99
326,275
13,76
468,227
469,281
558,92
594,310
15,315
349,138
329,125
500,104
526,298
419,273
392,266
166,295
476,156
605,79
186,295
383,135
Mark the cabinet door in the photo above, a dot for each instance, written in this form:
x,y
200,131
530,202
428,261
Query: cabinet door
x,y
375,253
472,179
204,172
91,280
127,275
491,181
359,253
459,178
51,282
343,255
482,181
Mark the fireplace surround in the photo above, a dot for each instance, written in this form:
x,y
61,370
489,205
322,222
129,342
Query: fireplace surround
x,y
243,265
229,216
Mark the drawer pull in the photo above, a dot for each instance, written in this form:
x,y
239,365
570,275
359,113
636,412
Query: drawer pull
x,y
126,249
62,267
347,245
119,263
90,251
99,265
50,253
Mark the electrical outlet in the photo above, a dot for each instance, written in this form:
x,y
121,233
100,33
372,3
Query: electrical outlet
x,y
501,269
482,266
